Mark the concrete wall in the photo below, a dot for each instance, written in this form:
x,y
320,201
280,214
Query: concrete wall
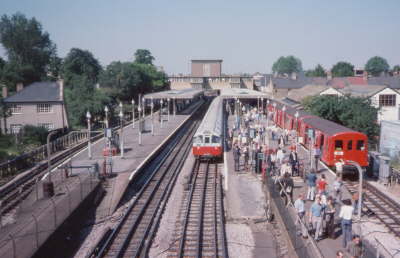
x,y
206,68
30,116
387,113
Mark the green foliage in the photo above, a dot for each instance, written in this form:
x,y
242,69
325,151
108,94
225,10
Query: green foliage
x,y
352,112
287,65
80,63
33,135
396,68
84,97
54,68
343,69
319,71
28,49
377,65
143,56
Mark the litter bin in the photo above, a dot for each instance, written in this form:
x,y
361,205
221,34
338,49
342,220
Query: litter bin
x,y
384,169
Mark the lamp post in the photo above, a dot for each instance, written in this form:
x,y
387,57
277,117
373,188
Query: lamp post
x,y
133,113
151,115
106,111
140,123
174,106
88,117
143,108
168,109
296,115
161,113
283,115
121,117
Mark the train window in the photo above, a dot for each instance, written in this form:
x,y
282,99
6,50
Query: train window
x,y
207,139
198,139
338,145
360,145
350,145
215,139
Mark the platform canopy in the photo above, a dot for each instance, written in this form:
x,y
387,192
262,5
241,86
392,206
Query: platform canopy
x,y
177,94
231,93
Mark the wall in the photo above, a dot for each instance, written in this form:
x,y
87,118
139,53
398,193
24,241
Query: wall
x,y
30,116
387,113
213,70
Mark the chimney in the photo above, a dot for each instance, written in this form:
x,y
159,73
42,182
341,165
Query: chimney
x,y
4,91
329,75
61,85
20,86
294,76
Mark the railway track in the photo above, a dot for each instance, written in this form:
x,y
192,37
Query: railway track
x,y
384,208
200,230
133,235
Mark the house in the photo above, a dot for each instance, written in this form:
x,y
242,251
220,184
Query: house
x,y
39,104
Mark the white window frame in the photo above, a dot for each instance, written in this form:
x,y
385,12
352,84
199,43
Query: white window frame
x,y
13,129
44,108
48,126
16,109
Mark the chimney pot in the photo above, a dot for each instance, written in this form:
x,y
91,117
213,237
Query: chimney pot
x,y
61,85
4,92
20,86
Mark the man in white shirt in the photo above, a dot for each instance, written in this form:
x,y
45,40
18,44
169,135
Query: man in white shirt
x,y
346,214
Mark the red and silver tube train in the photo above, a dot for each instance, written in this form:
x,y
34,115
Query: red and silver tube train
x,y
335,141
208,139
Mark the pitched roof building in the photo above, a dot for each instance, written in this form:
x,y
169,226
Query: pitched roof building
x,y
39,104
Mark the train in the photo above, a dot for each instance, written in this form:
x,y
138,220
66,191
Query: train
x,y
336,142
208,139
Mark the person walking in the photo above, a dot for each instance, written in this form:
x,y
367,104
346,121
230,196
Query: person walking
x,y
316,218
311,179
299,205
246,157
280,156
355,197
293,161
288,185
236,157
330,218
316,154
337,189
322,184
346,214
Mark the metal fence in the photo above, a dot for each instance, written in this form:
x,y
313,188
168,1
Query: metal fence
x,y
303,247
39,217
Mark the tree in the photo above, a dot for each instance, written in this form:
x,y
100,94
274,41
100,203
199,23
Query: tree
x,y
287,65
396,69
80,63
343,69
28,48
143,56
377,65
54,68
352,112
318,71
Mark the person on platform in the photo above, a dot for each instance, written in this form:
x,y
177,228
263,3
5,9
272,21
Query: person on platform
x,y
330,217
321,184
316,218
311,180
337,189
288,185
280,156
246,157
299,205
293,160
355,247
355,197
316,152
346,214
236,157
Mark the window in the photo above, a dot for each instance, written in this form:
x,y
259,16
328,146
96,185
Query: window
x,y
16,109
207,139
349,145
387,100
44,108
215,139
198,139
15,128
338,145
360,145
48,126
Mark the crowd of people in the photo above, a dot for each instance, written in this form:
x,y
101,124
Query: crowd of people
x,y
261,148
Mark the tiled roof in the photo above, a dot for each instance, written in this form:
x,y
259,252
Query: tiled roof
x,y
357,80
391,81
37,92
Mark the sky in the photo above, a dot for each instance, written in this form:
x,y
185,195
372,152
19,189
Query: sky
x,y
248,35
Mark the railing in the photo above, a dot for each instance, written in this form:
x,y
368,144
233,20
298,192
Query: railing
x,y
30,159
